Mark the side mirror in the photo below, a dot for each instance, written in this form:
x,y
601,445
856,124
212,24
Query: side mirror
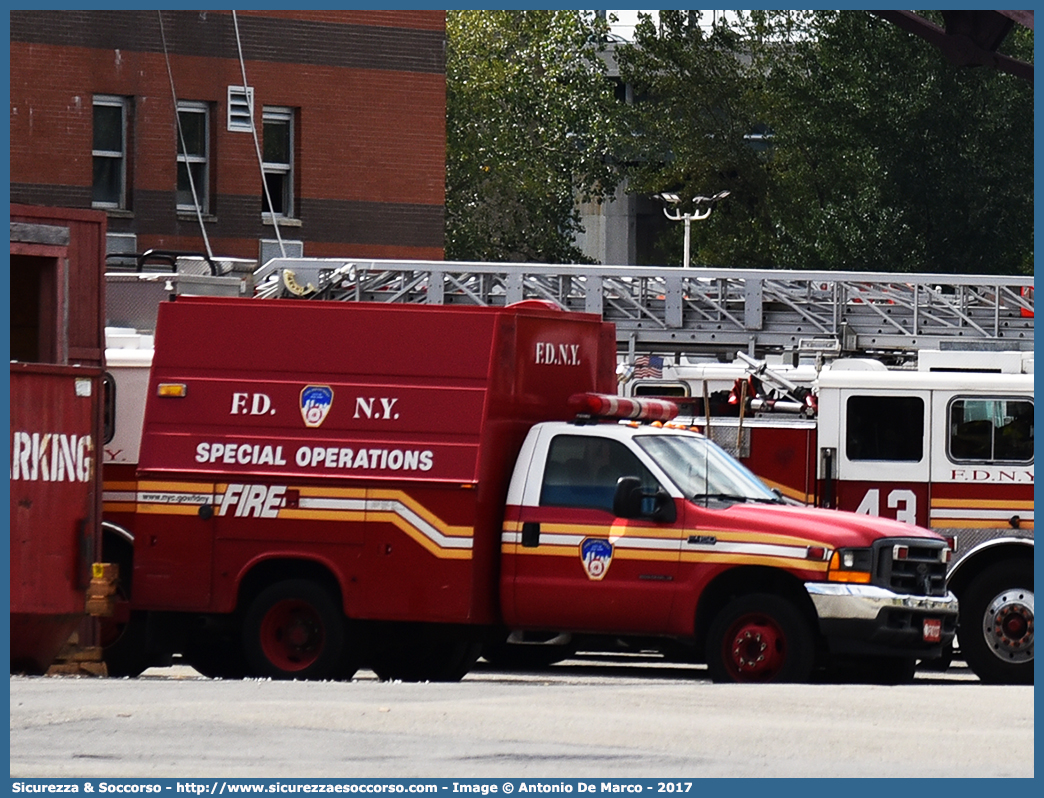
x,y
630,501
627,498
663,509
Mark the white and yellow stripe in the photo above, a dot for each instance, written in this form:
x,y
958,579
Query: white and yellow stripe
x,y
646,543
979,513
342,505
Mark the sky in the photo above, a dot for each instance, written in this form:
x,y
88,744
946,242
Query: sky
x,y
628,19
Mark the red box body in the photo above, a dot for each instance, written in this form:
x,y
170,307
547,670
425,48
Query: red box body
x,y
373,440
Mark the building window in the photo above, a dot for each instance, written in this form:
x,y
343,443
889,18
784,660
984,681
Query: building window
x,y
109,152
278,162
991,430
193,156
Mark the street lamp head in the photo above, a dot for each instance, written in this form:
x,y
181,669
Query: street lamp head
x,y
711,200
676,215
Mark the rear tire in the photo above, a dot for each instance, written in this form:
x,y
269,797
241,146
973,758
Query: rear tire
x,y
760,637
996,633
296,630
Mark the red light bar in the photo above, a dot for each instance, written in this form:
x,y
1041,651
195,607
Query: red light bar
x,y
603,405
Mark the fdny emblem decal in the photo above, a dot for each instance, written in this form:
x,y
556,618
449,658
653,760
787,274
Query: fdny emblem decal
x,y
315,404
596,555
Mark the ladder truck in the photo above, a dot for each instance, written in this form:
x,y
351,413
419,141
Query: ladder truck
x,y
948,445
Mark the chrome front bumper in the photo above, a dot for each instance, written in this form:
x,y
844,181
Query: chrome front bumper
x,y
834,600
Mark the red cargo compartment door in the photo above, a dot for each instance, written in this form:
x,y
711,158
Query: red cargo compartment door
x,y
173,546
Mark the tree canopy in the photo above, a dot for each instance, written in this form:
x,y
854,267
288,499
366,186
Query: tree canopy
x,y
887,157
530,122
845,142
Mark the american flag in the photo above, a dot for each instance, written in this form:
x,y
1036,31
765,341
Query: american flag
x,y
648,366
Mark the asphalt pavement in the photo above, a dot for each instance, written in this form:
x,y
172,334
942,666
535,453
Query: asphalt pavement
x,y
602,717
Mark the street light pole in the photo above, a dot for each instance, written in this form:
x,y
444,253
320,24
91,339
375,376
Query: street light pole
x,y
678,216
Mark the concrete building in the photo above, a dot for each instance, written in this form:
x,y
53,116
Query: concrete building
x,y
623,231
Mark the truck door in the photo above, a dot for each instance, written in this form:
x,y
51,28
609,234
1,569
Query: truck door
x,y
577,566
883,453
982,465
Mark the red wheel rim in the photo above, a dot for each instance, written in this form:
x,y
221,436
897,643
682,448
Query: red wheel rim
x,y
754,649
292,635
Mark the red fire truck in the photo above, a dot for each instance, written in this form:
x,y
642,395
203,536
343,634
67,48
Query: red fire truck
x,y
947,446
330,495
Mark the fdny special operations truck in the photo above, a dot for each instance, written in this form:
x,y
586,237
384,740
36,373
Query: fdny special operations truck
x,y
947,446
324,486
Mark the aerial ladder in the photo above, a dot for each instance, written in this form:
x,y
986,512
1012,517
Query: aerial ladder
x,y
656,310
706,310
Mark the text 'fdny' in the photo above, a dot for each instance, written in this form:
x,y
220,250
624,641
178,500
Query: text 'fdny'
x,y
557,354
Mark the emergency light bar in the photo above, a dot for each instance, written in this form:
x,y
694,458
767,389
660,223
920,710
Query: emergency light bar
x,y
602,405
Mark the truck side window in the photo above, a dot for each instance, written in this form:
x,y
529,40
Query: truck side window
x,y
582,471
991,430
885,428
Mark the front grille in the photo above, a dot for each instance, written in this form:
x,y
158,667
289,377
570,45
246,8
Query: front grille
x,y
922,573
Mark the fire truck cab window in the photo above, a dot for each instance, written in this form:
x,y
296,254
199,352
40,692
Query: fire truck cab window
x,y
582,471
991,430
885,428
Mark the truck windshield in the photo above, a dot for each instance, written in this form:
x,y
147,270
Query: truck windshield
x,y
702,470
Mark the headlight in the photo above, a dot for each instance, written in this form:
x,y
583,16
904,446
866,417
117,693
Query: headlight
x,y
851,565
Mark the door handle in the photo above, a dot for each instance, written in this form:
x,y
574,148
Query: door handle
x,y
530,535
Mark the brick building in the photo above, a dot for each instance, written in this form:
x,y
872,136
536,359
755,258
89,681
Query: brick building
x,y
348,106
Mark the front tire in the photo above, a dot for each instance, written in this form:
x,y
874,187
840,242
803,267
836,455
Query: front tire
x,y
296,630
760,637
996,633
